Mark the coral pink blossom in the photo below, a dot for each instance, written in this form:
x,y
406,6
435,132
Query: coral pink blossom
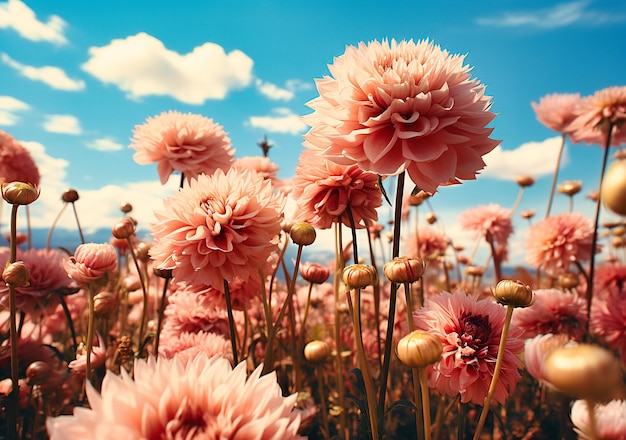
x,y
558,241
594,115
263,166
489,220
608,320
188,143
428,243
608,277
609,423
187,346
204,398
16,163
537,349
554,311
91,262
470,330
403,106
218,228
323,191
556,111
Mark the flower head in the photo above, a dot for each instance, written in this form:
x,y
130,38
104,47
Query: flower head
x,y
218,228
537,349
556,111
323,191
204,398
558,241
609,423
16,163
91,262
188,143
608,320
595,113
487,220
428,243
403,106
470,330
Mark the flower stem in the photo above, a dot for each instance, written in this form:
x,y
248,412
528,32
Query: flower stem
x,y
90,328
555,176
15,390
321,386
414,371
593,428
339,265
144,291
496,372
80,231
231,323
423,380
162,305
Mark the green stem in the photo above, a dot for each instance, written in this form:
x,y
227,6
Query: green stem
x,y
80,230
162,305
337,282
231,323
423,380
414,371
144,291
556,173
90,328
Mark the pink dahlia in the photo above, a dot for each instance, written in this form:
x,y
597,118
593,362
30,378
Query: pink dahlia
x,y
556,111
595,113
558,241
263,166
205,398
470,330
488,221
608,277
428,243
92,262
396,106
323,191
188,143
218,228
187,346
608,320
537,349
609,423
16,163
554,312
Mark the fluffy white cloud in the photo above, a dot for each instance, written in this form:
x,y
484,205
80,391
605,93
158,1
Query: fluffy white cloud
x,y
9,107
142,66
105,144
534,159
274,92
563,14
16,15
66,124
283,121
50,75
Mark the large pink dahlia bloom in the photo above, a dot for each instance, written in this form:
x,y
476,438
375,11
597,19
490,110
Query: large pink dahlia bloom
x,y
558,241
489,221
470,330
218,228
323,191
556,110
188,143
595,113
396,106
16,163
168,399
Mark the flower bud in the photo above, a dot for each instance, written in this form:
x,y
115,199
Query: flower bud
x,y
419,349
302,233
16,274
38,373
583,371
619,231
143,251
359,276
163,273
568,280
404,269
20,193
570,187
476,271
105,304
613,189
514,293
527,214
124,228
126,207
431,218
317,351
314,273
524,180
69,196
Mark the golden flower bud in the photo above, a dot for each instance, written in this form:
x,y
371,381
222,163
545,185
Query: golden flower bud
x,y
126,207
317,351
524,180
358,276
163,273
404,269
584,371
314,272
302,233
619,231
20,193
514,293
431,218
105,304
419,349
16,274
527,214
568,280
617,242
570,187
124,228
476,271
143,251
69,196
613,189
38,373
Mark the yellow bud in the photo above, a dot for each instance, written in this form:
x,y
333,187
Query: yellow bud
x,y
16,274
317,351
302,233
20,193
514,293
524,180
124,228
358,276
419,349
568,280
613,189
570,187
404,269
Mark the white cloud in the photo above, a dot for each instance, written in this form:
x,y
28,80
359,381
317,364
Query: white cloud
x,y
9,106
66,124
105,144
534,159
50,75
296,85
274,92
560,15
284,121
142,66
16,15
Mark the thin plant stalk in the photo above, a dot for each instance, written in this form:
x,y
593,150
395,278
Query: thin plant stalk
x,y
517,201
91,324
15,390
29,234
295,355
339,265
323,408
414,371
144,291
231,322
80,230
423,381
160,315
555,175
593,425
56,220
376,288
496,372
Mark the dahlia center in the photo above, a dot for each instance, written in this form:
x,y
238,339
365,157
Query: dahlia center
x,y
473,337
218,212
189,422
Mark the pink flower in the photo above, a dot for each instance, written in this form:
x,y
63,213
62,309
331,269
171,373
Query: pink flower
x,y
16,163
595,113
556,111
608,320
399,106
428,243
187,346
263,166
559,240
608,277
91,262
323,191
188,143
489,220
204,398
470,330
218,228
537,349
555,312
610,420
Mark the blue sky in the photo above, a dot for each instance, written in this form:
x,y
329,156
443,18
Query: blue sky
x,y
76,77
